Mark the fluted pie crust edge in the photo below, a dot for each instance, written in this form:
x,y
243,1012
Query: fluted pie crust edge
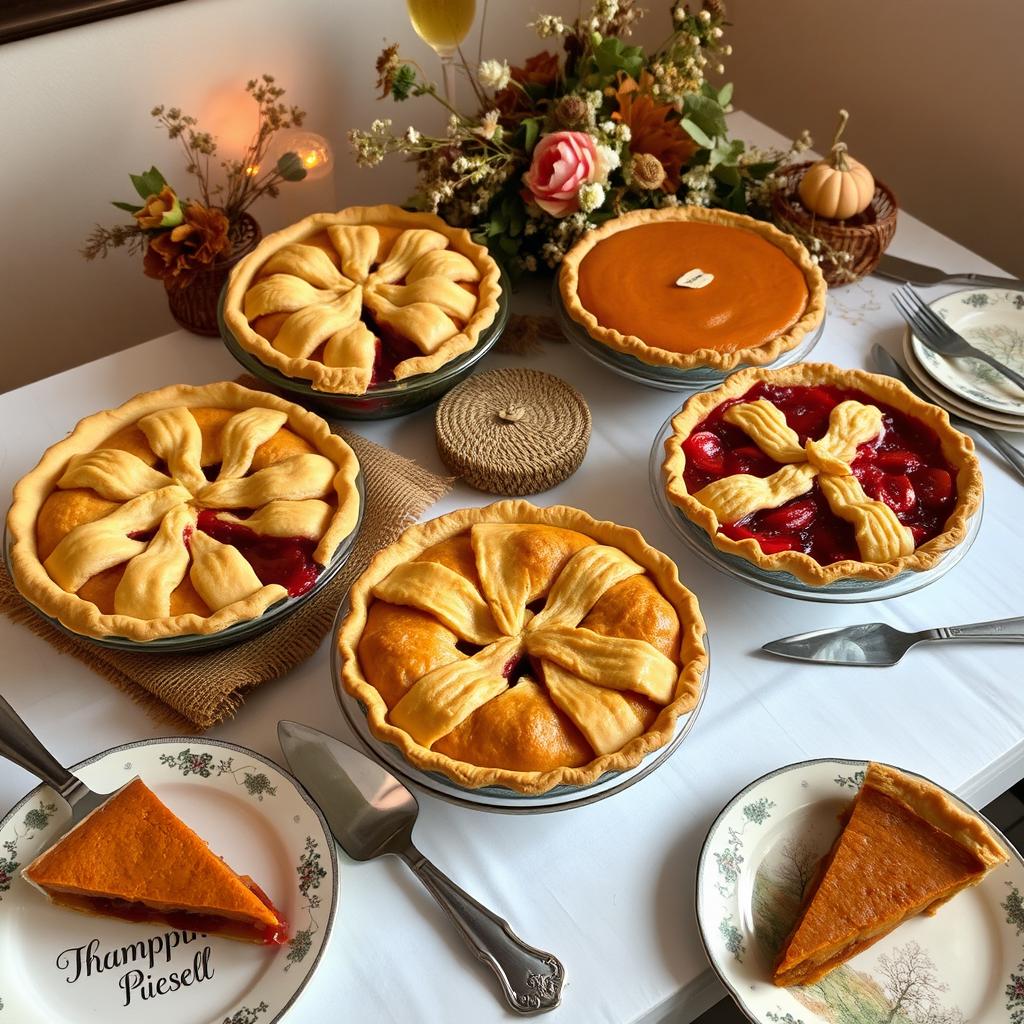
x,y
957,448
631,344
692,658
83,617
344,380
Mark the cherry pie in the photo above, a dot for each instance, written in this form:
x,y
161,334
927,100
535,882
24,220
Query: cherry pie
x,y
361,297
524,647
823,473
183,511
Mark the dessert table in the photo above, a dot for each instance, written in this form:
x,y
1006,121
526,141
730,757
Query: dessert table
x,y
609,887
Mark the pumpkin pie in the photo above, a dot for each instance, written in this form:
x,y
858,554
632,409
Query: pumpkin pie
x,y
906,849
362,297
183,511
822,473
689,287
133,859
522,647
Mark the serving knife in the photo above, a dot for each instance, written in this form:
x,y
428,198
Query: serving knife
x,y
19,744
891,368
371,813
920,274
879,644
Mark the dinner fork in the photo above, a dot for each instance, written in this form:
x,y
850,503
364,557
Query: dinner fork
x,y
934,332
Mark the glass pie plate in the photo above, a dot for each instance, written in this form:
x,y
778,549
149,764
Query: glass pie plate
x,y
500,798
666,378
840,592
195,642
380,402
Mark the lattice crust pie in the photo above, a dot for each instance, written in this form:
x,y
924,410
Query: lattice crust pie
x,y
823,473
687,286
183,511
524,647
364,296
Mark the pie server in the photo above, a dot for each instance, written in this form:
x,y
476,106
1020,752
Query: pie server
x,y
878,644
371,813
19,744
919,274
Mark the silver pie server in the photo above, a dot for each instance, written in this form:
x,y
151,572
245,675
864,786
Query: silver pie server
x,y
371,813
19,744
878,644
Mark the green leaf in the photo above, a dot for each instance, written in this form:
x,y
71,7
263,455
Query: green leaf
x,y
148,183
508,245
531,132
130,207
707,114
697,133
289,166
613,56
725,94
727,153
728,175
760,171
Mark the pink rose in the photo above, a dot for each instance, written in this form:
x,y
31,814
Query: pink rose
x,y
562,162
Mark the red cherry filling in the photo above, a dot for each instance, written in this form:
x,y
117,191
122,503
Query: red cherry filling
x,y
287,561
903,467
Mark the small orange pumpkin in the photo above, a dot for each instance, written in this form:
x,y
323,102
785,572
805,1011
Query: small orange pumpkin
x,y
837,187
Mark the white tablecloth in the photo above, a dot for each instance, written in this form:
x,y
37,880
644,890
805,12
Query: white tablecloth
x,y
608,888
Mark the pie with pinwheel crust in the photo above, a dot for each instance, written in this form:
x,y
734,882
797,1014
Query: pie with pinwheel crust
x,y
364,296
523,647
823,473
183,511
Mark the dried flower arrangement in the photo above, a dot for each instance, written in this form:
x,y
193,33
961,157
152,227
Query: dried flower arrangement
x,y
182,237
569,140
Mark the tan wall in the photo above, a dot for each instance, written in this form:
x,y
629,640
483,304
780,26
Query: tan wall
x,y
935,91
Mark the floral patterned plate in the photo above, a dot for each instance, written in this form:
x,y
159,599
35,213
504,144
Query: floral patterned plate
x,y
990,319
61,966
964,964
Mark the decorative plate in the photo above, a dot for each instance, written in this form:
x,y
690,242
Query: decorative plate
x,y
843,591
964,964
953,403
62,966
990,319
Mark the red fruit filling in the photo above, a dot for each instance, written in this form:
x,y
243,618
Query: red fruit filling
x,y
287,561
903,467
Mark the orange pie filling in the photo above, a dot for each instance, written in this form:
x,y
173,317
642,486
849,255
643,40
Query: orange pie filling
x,y
628,282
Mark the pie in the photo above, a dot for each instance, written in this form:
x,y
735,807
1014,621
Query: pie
x,y
822,473
905,849
133,859
362,297
522,647
686,287
184,511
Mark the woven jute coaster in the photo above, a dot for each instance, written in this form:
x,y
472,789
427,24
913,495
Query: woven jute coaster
x,y
195,691
513,431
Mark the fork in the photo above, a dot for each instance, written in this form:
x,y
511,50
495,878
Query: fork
x,y
939,336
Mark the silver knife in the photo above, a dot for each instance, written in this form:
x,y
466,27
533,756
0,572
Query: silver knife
x,y
891,368
920,274
879,644
371,813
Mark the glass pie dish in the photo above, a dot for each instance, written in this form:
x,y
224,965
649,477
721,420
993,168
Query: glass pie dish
x,y
841,591
383,401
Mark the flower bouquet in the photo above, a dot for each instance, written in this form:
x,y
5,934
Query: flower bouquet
x,y
572,138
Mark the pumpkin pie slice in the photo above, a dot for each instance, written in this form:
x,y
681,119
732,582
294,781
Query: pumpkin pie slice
x,y
905,849
135,860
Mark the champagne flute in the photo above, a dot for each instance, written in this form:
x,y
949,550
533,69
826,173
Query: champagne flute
x,y
442,25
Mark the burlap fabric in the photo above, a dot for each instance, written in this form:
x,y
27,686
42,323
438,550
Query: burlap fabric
x,y
195,691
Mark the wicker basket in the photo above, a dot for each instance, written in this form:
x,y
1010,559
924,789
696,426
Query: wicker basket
x,y
195,306
865,237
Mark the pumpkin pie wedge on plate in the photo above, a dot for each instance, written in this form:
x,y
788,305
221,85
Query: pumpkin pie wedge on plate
x,y
905,849
133,859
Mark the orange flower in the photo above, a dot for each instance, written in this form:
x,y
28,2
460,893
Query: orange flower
x,y
538,74
160,211
653,127
176,256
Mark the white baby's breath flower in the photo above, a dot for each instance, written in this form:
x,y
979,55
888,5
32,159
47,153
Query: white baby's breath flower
x,y
591,196
608,127
594,98
704,16
716,33
679,13
381,125
607,161
412,136
488,125
624,132
494,74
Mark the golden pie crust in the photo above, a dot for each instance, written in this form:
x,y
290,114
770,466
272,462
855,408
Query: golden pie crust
x,y
783,330
611,641
957,449
299,302
906,848
103,515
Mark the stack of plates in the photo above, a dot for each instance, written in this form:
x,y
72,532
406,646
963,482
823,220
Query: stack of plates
x,y
991,319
